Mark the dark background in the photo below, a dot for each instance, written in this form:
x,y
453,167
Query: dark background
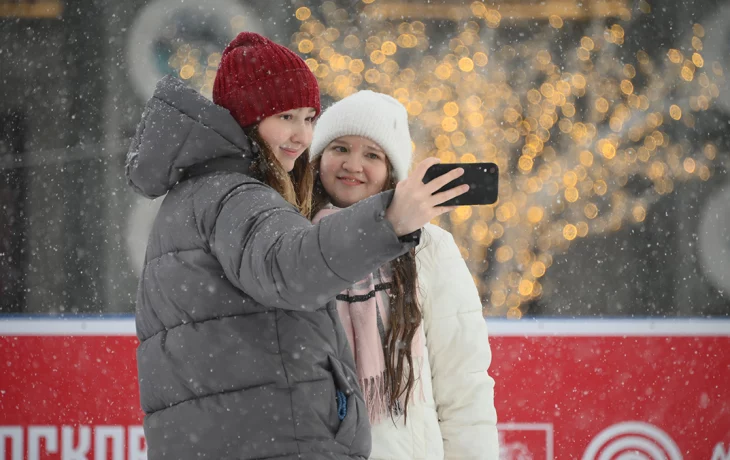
x,y
68,107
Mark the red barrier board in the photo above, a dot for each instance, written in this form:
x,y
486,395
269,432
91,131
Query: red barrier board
x,y
578,389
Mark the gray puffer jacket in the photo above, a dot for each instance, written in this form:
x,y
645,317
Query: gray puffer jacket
x,y
240,358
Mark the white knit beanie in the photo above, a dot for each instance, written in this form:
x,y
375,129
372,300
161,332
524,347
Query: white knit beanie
x,y
377,116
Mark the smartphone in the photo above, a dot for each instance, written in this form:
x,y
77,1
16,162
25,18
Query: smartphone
x,y
483,180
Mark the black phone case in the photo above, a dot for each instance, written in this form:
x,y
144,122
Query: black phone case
x,y
483,180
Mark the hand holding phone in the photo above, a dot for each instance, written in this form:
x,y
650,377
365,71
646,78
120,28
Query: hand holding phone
x,y
482,178
415,202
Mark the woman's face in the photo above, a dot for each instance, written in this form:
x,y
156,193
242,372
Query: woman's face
x,y
288,134
353,168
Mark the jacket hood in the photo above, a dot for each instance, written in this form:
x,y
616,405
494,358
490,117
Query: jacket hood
x,y
180,129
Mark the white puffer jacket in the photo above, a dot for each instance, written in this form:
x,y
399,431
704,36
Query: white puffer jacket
x,y
456,419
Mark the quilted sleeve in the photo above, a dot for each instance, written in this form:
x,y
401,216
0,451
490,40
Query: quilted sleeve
x,y
275,255
459,352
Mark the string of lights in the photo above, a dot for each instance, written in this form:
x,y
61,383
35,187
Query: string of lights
x,y
570,133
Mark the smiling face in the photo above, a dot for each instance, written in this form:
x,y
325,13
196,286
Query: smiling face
x,y
288,134
353,168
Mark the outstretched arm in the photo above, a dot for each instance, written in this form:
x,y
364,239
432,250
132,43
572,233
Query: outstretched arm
x,y
275,255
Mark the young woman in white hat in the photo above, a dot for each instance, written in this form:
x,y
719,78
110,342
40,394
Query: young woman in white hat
x,y
415,325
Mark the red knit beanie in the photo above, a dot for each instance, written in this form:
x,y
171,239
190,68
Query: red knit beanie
x,y
258,78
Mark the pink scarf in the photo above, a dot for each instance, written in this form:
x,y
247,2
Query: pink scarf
x,y
364,310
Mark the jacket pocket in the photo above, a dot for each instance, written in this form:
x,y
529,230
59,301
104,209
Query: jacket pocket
x,y
354,430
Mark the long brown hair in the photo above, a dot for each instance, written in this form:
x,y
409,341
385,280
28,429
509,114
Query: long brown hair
x,y
405,312
294,186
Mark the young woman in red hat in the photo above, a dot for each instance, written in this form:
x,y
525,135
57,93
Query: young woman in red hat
x,y
240,357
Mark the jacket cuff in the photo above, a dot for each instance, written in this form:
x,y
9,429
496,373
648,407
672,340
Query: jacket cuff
x,y
413,237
